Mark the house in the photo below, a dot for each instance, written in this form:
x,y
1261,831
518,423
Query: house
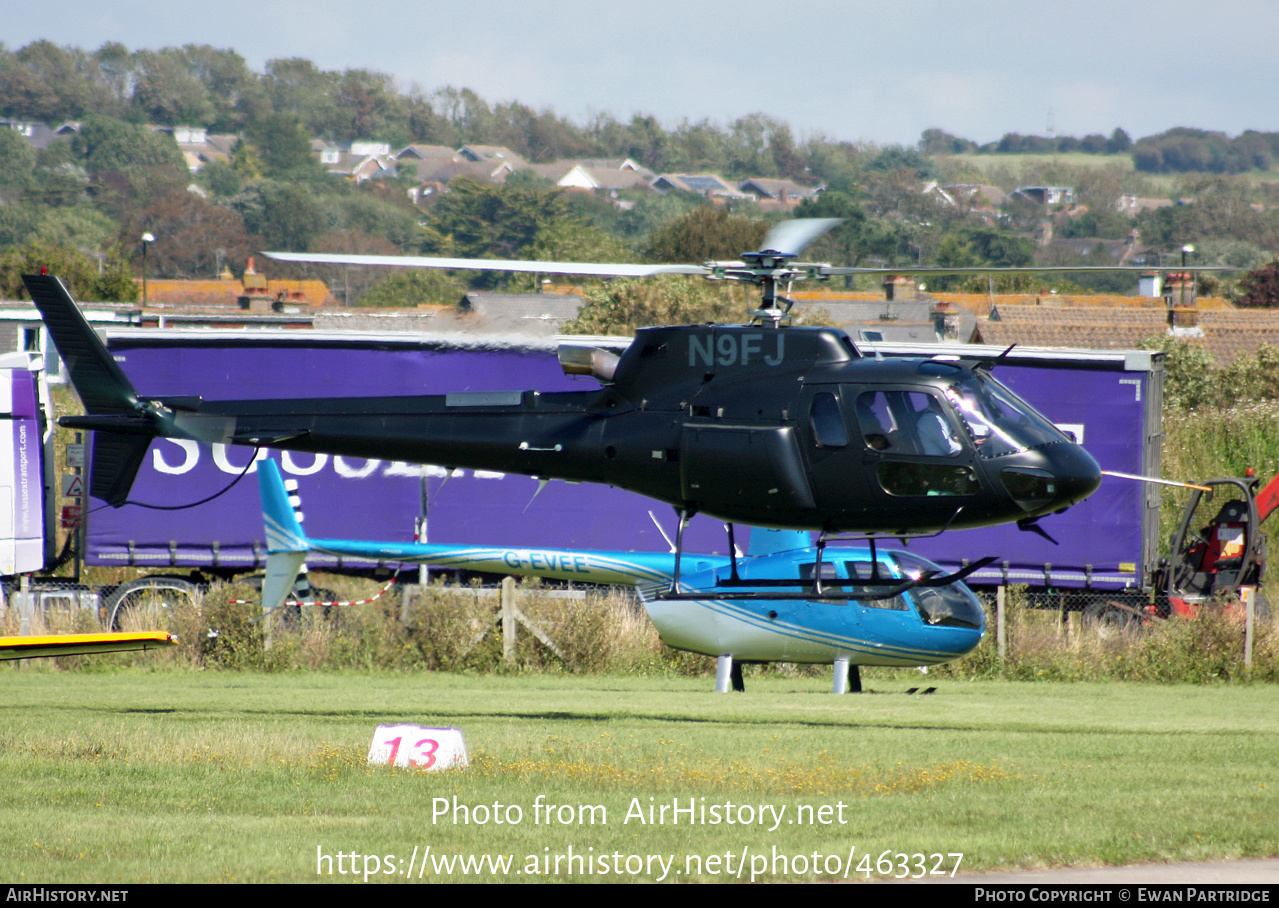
x,y
23,331
366,148
776,194
615,180
704,184
359,161
424,161
1047,196
629,165
432,180
423,158
897,321
497,153
176,301
581,175
871,316
979,199
425,153
199,147
565,174
328,153
40,135
939,194
979,196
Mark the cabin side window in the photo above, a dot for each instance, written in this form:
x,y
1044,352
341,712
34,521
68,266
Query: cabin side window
x,y
827,421
807,569
866,572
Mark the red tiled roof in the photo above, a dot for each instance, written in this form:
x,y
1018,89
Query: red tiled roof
x,y
1226,333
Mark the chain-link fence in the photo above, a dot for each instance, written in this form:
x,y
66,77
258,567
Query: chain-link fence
x,y
30,606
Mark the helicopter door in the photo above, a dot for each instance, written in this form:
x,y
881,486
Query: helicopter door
x,y
831,447
915,444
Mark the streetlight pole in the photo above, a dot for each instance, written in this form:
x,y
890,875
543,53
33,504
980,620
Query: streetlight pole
x,y
1185,251
147,240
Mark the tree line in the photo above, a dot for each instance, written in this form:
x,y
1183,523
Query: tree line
x,y
90,197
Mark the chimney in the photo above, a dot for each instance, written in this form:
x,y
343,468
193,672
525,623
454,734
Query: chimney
x,y
946,318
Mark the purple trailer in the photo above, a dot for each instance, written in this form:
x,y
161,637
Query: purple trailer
x,y
1109,400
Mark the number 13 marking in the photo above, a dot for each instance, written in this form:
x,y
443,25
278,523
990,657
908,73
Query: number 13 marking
x,y
422,755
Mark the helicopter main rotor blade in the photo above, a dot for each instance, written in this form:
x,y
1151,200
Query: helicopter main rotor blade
x,y
1028,269
424,261
791,237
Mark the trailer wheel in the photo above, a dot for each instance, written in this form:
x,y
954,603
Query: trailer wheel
x,y
1109,622
148,603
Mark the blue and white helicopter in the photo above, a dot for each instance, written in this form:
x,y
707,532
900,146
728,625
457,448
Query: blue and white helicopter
x,y
899,609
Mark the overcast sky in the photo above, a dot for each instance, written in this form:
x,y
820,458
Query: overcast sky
x,y
879,71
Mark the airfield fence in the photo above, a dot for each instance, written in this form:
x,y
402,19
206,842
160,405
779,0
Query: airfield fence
x,y
438,628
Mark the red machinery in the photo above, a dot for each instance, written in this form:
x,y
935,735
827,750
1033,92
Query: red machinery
x,y
1209,560
1218,548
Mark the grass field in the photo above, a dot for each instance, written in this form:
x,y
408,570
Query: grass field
x,y
179,776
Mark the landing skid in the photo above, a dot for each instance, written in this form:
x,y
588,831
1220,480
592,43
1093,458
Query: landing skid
x,y
728,676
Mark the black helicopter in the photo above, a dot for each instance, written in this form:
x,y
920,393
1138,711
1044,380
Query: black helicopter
x,y
766,423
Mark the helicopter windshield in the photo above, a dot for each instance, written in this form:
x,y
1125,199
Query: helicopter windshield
x,y
998,421
952,605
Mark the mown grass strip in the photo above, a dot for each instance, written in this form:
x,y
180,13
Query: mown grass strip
x,y
177,776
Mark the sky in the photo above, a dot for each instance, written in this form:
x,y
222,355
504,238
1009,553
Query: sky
x,y
878,72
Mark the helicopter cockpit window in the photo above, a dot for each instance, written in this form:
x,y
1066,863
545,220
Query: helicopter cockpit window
x,y
998,421
827,421
907,422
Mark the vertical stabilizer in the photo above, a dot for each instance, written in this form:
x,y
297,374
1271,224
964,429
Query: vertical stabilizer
x,y
103,388
98,380
286,543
